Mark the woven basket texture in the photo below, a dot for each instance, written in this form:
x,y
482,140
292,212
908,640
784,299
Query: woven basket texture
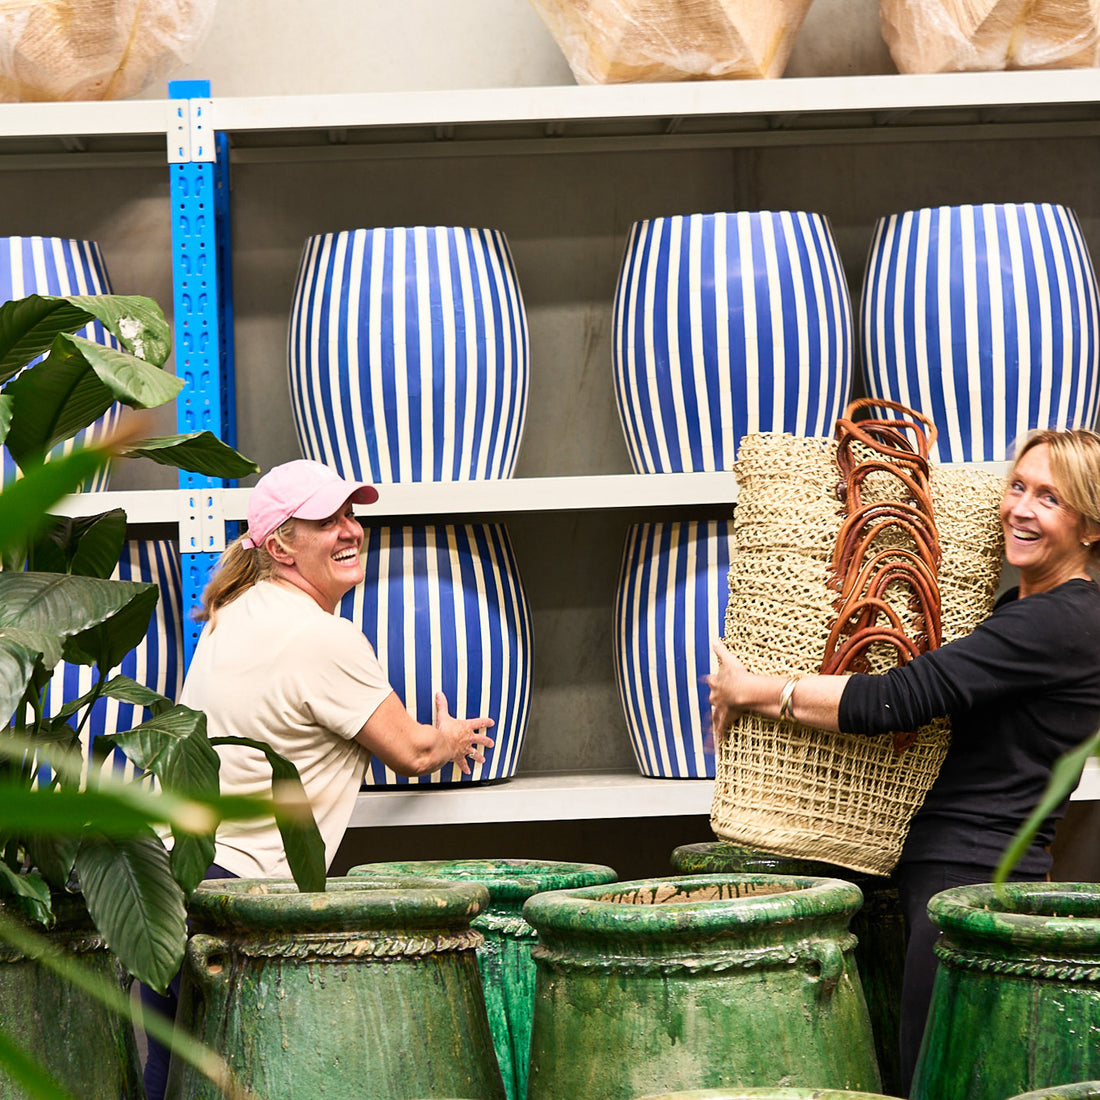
x,y
806,793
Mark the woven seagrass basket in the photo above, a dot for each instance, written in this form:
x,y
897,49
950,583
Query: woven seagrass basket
x,y
801,792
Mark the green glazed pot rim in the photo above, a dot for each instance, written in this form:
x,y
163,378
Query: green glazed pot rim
x,y
505,879
705,857
1021,914
709,902
1080,1090
347,903
764,1093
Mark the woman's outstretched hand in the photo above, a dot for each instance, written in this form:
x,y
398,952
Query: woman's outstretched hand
x,y
466,740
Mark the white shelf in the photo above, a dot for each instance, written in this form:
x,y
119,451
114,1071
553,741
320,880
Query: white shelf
x,y
615,110
566,797
430,498
555,797
790,110
532,494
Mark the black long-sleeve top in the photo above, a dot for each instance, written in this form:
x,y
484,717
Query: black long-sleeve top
x,y
1021,690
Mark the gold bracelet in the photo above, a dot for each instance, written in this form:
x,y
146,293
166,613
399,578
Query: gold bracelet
x,y
786,699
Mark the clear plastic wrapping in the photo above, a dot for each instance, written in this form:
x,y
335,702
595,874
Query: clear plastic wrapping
x,y
936,36
620,41
95,49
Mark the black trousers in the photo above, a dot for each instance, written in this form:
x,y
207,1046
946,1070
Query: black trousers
x,y
917,883
157,1059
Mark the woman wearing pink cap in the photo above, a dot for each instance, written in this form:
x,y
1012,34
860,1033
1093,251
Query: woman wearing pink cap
x,y
276,664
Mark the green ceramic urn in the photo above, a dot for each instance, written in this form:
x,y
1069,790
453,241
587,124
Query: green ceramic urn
x,y
84,1045
507,970
368,991
701,981
879,928
1016,1001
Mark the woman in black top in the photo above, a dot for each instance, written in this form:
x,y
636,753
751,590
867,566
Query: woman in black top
x,y
1021,690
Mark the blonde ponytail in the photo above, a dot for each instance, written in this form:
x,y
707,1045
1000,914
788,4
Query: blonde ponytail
x,y
238,569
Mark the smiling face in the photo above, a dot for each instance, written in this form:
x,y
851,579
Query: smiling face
x,y
1043,534
323,558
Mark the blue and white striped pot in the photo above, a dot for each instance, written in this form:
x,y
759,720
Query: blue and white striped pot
x,y
157,661
409,356
58,266
669,608
985,319
726,324
445,610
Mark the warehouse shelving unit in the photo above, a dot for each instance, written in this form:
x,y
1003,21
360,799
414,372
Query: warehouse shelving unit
x,y
588,160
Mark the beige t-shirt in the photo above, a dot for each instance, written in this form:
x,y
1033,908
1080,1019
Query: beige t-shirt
x,y
280,669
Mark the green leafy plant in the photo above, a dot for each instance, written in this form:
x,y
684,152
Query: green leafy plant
x,y
1064,777
57,602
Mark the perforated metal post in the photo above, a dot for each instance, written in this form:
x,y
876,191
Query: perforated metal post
x,y
198,162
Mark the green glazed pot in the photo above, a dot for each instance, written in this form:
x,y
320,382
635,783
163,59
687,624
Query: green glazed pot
x,y
87,1048
697,981
507,970
1016,1002
369,990
879,928
1082,1090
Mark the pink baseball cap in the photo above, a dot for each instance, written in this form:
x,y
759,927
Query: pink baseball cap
x,y
303,489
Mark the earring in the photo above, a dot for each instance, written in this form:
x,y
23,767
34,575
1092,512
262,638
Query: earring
x,y
1085,542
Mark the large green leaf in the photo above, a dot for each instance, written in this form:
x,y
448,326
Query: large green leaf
x,y
1064,777
27,894
174,747
198,452
135,321
305,850
53,856
136,904
33,1078
131,379
24,503
126,690
16,666
28,326
105,644
67,812
88,546
54,400
7,405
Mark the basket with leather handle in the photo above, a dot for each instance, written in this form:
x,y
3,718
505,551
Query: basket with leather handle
x,y
810,584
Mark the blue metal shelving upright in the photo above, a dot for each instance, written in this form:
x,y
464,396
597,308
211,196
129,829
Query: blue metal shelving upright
x,y
203,306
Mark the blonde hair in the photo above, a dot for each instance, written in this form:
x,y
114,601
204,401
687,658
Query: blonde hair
x,y
238,569
1075,466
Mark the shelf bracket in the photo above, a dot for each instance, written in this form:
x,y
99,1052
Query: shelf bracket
x,y
202,521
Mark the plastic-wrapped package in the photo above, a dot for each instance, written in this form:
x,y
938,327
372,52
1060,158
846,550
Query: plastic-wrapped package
x,y
936,36
95,49
620,41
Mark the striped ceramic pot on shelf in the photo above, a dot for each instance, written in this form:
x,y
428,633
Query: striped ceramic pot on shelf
x,y
58,266
669,608
726,324
445,610
157,661
408,352
984,318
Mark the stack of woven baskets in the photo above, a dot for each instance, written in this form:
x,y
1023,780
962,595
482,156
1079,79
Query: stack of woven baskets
x,y
801,792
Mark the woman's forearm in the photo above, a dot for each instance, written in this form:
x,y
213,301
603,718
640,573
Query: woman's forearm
x,y
811,700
